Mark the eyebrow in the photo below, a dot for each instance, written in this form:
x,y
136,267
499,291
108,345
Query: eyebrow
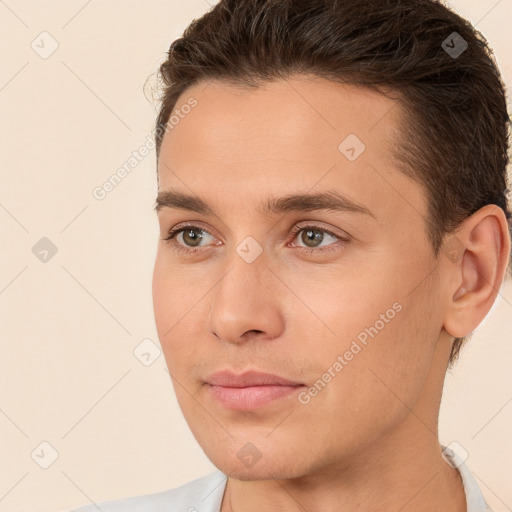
x,y
330,200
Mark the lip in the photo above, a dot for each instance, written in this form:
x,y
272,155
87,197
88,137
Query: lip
x,y
249,390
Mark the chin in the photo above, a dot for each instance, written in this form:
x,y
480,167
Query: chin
x,y
261,460
269,470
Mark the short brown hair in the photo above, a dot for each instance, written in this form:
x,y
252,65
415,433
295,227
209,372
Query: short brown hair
x,y
455,134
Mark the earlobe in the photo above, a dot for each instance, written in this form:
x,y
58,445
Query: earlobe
x,y
477,273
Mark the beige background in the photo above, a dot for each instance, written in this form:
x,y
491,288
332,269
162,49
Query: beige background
x,y
68,375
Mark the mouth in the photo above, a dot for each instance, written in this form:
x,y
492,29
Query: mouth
x,y
249,390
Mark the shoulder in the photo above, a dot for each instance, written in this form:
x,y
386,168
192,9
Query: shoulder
x,y
204,494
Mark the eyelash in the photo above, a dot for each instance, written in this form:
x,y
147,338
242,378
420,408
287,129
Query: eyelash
x,y
297,229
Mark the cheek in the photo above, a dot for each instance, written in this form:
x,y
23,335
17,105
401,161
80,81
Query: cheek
x,y
160,282
382,339
174,294
169,306
351,304
377,383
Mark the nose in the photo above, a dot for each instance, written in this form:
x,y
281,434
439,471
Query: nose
x,y
246,305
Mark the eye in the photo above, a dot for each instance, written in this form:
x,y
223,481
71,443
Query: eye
x,y
187,238
312,236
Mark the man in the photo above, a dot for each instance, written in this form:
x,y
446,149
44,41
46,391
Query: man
x,y
333,216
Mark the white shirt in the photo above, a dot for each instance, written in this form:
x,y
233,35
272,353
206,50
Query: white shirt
x,y
205,495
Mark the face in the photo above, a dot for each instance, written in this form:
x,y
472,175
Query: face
x,y
298,295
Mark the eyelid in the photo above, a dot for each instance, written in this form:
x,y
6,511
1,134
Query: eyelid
x,y
312,224
175,230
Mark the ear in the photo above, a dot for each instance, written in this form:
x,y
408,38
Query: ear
x,y
475,264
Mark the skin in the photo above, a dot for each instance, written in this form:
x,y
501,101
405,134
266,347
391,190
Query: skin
x,y
369,440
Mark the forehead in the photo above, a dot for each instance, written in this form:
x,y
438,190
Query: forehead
x,y
301,116
288,135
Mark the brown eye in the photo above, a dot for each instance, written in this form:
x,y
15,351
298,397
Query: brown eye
x,y
191,237
187,239
312,237
316,240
